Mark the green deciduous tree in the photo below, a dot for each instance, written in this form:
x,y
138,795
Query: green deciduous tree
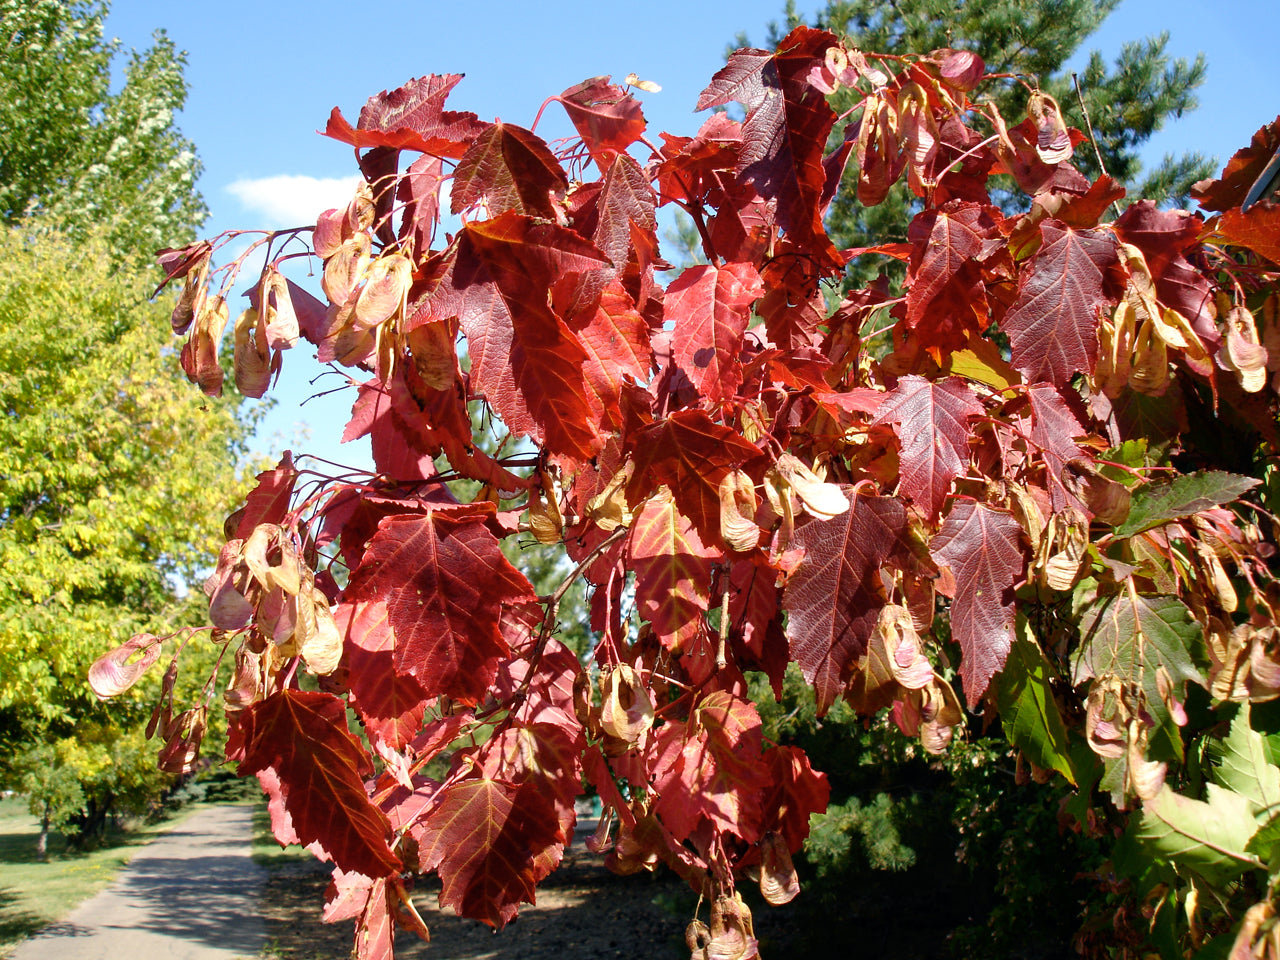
x,y
111,485
74,154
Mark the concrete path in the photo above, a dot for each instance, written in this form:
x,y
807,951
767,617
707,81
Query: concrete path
x,y
191,894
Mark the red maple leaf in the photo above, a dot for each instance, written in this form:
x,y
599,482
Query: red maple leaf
x,y
1258,230
491,842
268,502
673,574
833,598
616,340
1053,427
710,768
524,359
932,424
982,547
1052,324
544,755
509,168
711,307
947,300
298,744
444,581
691,455
391,703
785,132
607,118
797,791
1244,167
411,117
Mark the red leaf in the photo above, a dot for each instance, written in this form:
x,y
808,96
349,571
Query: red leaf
x,y
711,769
982,547
607,118
411,117
549,690
625,206
711,307
355,896
673,574
268,502
444,581
1240,172
524,358
391,703
616,340
947,299
785,132
691,455
419,191
312,768
833,598
509,168
543,755
933,427
797,791
491,842
1053,426
1052,325
1259,230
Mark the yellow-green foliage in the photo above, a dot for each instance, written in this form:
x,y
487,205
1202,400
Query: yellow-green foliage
x,y
115,476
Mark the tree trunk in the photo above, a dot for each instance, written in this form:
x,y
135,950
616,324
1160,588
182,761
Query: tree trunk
x,y
42,842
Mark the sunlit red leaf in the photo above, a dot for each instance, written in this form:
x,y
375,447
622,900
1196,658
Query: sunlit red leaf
x,y
491,842
411,117
509,168
1053,429
711,307
673,573
797,791
1052,325
712,768
390,702
947,298
1258,230
524,358
833,598
785,131
444,581
607,118
982,547
314,772
691,455
933,425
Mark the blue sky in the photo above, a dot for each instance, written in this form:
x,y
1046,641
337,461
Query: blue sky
x,y
264,76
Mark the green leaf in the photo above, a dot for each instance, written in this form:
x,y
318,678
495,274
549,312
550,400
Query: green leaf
x,y
1158,503
1263,843
1243,766
1028,711
1133,637
1207,838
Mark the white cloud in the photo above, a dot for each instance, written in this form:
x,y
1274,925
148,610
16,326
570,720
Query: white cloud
x,y
292,201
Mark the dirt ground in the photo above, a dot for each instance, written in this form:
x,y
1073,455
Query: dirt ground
x,y
583,912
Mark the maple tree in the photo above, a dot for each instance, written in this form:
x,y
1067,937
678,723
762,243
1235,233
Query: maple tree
x,y
743,484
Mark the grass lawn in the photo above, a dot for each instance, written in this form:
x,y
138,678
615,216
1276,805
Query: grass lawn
x,y
34,894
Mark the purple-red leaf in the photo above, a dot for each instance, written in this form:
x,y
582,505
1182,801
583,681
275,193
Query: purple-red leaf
x,y
833,598
1052,325
981,546
444,581
312,768
933,425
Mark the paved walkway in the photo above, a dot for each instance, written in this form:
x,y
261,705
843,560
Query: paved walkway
x,y
192,894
